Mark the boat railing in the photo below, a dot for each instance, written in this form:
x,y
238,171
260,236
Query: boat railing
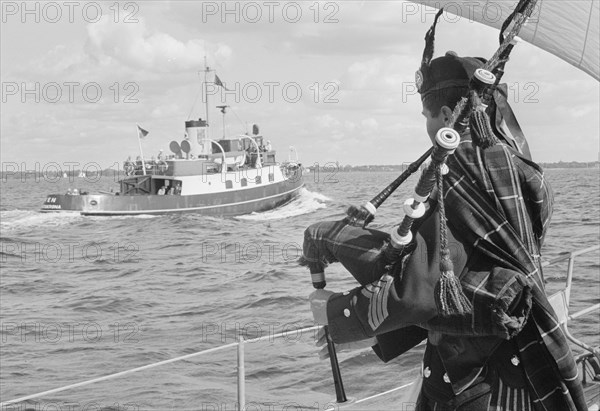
x,y
560,301
154,167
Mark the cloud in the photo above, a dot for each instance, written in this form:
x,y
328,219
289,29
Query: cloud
x,y
363,73
121,52
134,45
326,121
369,124
384,74
167,110
60,60
338,129
379,85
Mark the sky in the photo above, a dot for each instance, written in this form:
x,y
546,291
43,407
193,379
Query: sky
x,y
333,79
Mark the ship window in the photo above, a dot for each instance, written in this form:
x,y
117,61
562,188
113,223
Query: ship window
x,y
160,186
258,180
175,187
226,144
228,184
271,177
244,182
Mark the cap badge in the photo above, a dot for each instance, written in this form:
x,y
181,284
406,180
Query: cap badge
x,y
419,80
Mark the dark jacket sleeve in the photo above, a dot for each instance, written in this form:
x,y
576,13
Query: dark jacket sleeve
x,y
398,301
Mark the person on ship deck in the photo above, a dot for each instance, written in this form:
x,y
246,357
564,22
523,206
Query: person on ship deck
x,y
503,349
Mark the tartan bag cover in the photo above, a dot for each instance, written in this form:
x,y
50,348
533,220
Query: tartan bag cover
x,y
502,205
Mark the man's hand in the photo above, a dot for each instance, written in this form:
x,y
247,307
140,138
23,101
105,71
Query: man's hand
x,y
355,345
318,305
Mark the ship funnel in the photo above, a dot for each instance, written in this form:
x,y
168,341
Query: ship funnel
x,y
197,135
255,129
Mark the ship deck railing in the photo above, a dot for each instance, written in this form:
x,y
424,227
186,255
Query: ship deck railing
x,y
560,302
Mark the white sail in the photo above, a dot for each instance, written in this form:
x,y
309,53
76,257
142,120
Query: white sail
x,y
569,29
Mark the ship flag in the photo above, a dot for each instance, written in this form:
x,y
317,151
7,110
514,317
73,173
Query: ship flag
x,y
218,82
141,132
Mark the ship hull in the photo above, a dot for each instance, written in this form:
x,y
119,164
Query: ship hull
x,y
226,203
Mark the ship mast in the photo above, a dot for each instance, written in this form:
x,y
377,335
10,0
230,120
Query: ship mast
x,y
206,71
223,109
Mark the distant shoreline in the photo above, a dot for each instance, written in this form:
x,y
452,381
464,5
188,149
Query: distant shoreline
x,y
571,164
329,167
332,167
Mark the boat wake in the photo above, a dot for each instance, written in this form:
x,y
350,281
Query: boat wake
x,y
307,202
124,217
22,219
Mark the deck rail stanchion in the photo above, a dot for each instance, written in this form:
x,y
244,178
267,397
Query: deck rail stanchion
x,y
241,375
569,278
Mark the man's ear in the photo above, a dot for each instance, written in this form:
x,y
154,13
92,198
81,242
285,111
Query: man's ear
x,y
446,114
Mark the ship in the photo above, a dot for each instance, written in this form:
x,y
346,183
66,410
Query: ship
x,y
231,176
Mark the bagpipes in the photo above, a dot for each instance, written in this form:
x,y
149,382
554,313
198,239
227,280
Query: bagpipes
x,y
470,112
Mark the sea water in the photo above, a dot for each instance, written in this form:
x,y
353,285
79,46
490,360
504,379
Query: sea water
x,y
83,297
